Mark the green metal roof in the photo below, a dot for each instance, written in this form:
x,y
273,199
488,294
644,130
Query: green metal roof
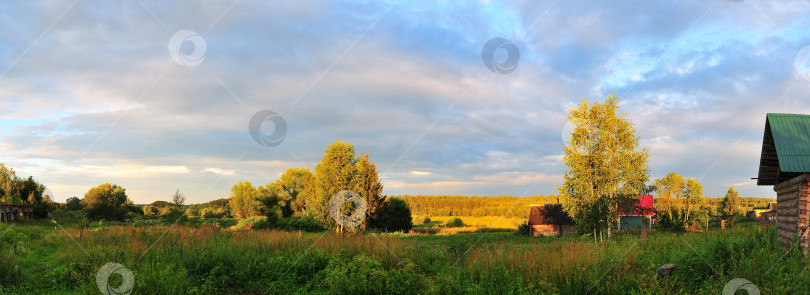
x,y
791,137
785,148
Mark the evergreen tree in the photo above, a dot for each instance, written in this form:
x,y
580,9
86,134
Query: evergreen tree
x,y
369,186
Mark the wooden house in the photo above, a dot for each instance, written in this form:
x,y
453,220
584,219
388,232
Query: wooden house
x,y
756,212
785,163
550,220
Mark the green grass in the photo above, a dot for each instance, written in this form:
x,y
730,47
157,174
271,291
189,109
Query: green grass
x,y
190,260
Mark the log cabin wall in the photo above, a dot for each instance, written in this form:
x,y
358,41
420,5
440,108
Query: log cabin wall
x,y
553,230
792,210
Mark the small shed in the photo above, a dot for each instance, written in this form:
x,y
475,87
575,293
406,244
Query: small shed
x,y
15,212
640,214
785,163
550,220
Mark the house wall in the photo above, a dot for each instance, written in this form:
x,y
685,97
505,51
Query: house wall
x,y
553,230
792,210
631,222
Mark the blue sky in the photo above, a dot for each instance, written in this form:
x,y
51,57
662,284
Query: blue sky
x,y
90,92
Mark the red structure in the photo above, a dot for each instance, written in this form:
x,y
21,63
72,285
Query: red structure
x,y
638,214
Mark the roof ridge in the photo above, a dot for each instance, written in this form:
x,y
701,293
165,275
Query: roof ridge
x,y
788,115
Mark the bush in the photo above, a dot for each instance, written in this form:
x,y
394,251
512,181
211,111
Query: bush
x,y
677,223
362,274
393,215
524,230
252,222
69,217
455,222
307,224
426,220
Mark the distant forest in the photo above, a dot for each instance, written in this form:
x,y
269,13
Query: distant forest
x,y
510,206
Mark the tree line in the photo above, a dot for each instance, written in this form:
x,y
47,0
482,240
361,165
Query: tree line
x,y
518,207
297,194
475,206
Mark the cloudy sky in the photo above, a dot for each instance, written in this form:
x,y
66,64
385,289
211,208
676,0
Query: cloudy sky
x,y
157,96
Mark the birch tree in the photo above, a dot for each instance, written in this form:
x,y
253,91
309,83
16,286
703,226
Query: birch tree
x,y
670,188
606,165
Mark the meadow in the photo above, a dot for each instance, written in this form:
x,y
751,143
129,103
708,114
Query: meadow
x,y
207,259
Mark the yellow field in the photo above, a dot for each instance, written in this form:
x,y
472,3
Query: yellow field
x,y
474,222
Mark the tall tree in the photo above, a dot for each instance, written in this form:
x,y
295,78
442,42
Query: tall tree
x,y
73,204
244,200
730,204
334,173
291,190
670,189
9,186
368,185
693,195
106,201
606,165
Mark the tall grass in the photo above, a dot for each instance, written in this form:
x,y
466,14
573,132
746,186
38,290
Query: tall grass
x,y
209,260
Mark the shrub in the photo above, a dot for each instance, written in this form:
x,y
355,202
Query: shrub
x,y
677,223
394,215
252,222
69,217
523,229
426,220
362,274
455,222
308,224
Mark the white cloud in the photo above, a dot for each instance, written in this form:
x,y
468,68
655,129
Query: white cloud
x,y
219,171
84,104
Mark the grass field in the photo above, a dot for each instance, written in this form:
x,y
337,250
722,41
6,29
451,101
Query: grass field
x,y
207,260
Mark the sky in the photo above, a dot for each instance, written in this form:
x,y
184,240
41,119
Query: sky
x,y
159,96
